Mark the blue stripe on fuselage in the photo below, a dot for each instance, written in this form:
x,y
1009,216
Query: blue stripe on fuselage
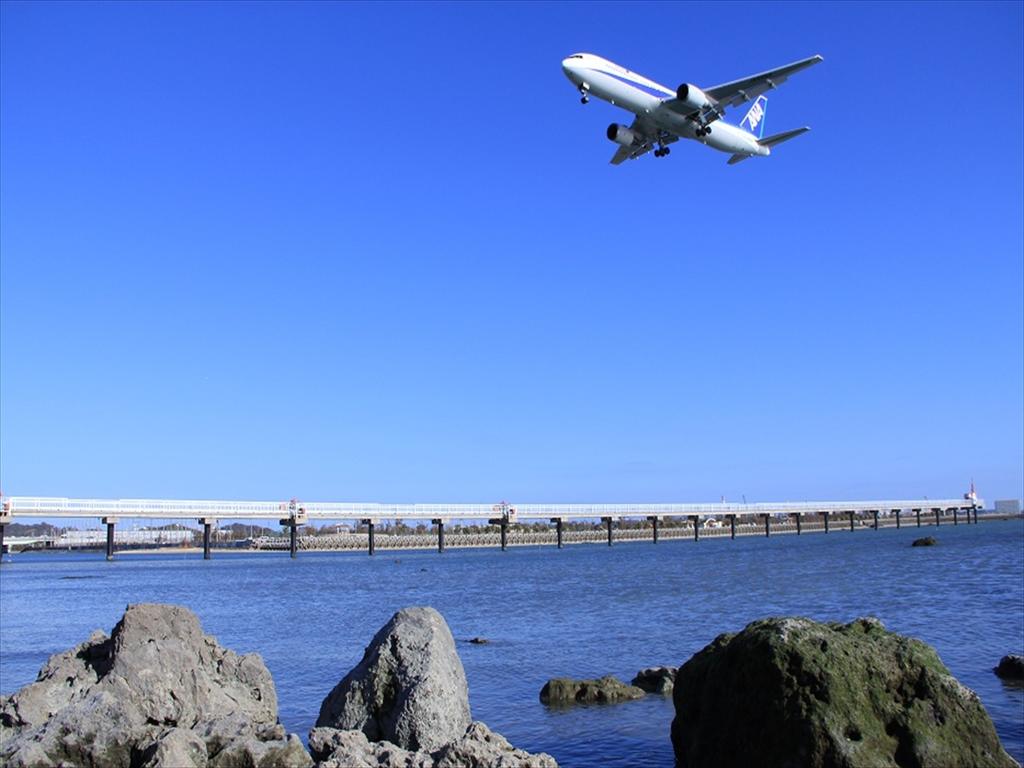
x,y
634,84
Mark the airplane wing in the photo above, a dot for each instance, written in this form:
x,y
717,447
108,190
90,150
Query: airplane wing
x,y
738,91
648,135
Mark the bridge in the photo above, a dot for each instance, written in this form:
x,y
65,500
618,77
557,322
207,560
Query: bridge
x,y
294,513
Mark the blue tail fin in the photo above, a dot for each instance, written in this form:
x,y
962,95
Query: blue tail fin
x,y
754,120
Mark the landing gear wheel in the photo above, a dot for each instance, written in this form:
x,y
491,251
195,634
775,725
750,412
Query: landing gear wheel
x,y
707,130
666,150
584,99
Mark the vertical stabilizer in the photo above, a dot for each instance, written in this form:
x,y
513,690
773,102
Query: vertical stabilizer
x,y
754,119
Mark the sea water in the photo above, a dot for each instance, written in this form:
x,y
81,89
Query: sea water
x,y
584,611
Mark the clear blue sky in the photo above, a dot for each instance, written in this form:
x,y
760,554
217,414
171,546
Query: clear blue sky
x,y
376,252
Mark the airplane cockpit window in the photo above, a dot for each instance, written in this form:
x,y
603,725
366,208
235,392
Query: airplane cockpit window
x,y
576,56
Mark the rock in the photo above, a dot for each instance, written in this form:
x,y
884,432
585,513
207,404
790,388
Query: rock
x,y
927,541
478,641
156,688
409,689
561,691
1011,667
656,679
177,748
794,692
406,704
479,747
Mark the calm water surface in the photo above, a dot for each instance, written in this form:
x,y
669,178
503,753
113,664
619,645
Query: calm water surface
x,y
584,611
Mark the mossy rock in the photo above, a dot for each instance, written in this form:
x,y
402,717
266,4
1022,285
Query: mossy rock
x,y
563,691
795,693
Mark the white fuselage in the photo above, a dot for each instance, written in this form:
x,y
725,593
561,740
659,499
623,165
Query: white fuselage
x,y
618,86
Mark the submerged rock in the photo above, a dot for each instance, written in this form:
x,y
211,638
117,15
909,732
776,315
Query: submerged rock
x,y
794,692
1011,667
158,687
407,704
656,679
927,541
561,691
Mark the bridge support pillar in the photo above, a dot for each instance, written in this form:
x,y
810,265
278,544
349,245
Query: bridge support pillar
x,y
2,526
371,545
799,519
975,515
824,516
874,514
955,516
293,540
917,512
109,522
696,527
937,512
767,525
654,527
558,530
608,523
206,538
440,534
897,513
732,526
850,513
504,534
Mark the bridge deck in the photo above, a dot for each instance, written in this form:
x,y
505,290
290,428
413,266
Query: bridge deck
x,y
26,506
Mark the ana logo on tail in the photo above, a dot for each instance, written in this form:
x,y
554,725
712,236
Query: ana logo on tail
x,y
754,120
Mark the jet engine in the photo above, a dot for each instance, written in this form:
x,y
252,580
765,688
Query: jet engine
x,y
692,96
620,134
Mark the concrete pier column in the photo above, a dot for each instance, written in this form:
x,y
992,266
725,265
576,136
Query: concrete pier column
x,y
798,517
608,522
558,530
2,526
897,513
732,526
851,519
918,513
371,545
767,525
504,534
696,527
937,512
206,538
109,522
975,515
955,516
824,516
440,534
654,527
874,514
293,540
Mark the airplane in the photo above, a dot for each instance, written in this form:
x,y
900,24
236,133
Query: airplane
x,y
664,116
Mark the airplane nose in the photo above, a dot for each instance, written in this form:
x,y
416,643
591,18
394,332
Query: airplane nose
x,y
569,69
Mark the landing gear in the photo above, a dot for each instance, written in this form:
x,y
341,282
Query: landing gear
x,y
584,97
662,151
702,132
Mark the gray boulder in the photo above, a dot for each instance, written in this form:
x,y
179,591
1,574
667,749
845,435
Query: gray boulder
x,y
563,691
409,689
156,683
794,693
927,541
656,679
1011,667
479,747
406,704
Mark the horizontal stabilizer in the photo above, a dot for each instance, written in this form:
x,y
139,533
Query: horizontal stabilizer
x,y
778,138
737,158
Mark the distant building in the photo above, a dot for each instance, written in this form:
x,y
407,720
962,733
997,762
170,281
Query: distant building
x,y
1008,506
